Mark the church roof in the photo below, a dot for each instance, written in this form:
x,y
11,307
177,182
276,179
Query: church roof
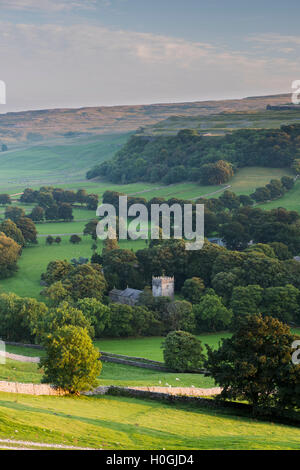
x,y
131,293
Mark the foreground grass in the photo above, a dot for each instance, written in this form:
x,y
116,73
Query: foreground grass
x,y
125,423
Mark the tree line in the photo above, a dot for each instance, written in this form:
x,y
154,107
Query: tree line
x,y
189,156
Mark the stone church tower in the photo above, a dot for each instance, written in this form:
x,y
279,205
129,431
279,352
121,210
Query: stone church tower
x,y
163,286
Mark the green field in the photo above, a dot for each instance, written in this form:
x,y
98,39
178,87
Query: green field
x,y
112,374
126,423
34,261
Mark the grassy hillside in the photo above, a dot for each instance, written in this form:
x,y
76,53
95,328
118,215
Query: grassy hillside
x,y
219,124
123,423
36,126
55,164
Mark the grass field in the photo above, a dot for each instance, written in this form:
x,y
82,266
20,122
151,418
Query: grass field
x,y
126,423
112,374
34,261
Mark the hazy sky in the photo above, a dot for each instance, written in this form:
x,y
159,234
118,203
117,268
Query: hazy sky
x,y
71,53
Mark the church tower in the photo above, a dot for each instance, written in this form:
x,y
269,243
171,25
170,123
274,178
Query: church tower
x,y
163,286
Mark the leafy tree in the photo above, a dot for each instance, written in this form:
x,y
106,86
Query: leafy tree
x,y
179,316
9,228
90,228
71,362
97,313
5,199
37,214
49,240
211,314
65,211
250,365
183,352
193,289
28,229
75,239
85,281
19,317
57,240
9,254
63,315
246,300
56,271
14,213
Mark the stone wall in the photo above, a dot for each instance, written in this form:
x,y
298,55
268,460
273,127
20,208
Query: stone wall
x,y
29,389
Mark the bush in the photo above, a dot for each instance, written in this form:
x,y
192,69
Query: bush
x,y
71,362
183,352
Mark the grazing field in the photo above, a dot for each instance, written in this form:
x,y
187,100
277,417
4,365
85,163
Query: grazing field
x,y
149,347
34,261
126,423
290,201
112,374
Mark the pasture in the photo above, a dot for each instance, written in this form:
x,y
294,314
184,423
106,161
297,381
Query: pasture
x,y
125,423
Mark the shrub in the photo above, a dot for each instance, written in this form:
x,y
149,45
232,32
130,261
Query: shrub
x,y
182,352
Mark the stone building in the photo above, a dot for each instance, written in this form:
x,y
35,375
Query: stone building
x,y
163,286
127,296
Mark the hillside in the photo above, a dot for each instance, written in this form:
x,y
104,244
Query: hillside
x,y
37,126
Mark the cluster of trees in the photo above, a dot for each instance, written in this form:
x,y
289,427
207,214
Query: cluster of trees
x,y
257,364
190,156
230,217
5,199
274,190
48,196
15,218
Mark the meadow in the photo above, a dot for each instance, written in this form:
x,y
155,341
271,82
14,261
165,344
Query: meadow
x,y
125,423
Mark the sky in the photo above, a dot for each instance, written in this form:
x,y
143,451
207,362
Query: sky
x,y
75,53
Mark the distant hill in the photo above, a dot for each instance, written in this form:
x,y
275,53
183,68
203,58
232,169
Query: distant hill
x,y
37,126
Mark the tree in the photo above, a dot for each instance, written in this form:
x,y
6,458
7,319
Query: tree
x,y
64,314
97,313
19,317
246,300
5,199
9,228
90,228
29,196
57,240
4,147
81,196
9,254
49,240
75,239
56,271
86,280
28,229
182,352
179,316
211,314
250,365
65,211
14,213
51,212
193,289
72,362
37,214
92,202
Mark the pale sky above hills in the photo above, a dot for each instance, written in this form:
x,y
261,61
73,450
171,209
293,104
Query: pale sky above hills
x,y
71,53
